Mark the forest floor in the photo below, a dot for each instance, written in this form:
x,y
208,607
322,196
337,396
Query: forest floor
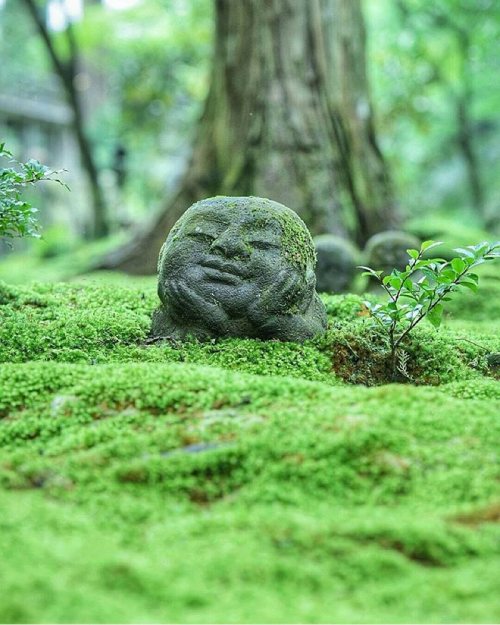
x,y
239,480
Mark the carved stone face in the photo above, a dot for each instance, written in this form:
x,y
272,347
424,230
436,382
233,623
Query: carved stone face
x,y
228,256
231,264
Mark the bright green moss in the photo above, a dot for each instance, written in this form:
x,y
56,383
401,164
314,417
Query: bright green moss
x,y
71,322
309,568
174,492
347,307
96,322
483,305
104,425
178,493
476,388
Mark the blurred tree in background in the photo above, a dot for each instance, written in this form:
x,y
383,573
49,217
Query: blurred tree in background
x,y
289,117
67,66
137,78
154,60
144,73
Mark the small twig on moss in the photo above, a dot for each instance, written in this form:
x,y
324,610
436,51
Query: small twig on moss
x,y
462,338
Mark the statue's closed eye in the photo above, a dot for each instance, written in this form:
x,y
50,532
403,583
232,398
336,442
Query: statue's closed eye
x,y
204,237
264,245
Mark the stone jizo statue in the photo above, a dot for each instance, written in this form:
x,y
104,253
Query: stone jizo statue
x,y
387,250
337,263
238,267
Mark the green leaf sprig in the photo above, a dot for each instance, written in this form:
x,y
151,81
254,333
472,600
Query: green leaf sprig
x,y
17,216
420,290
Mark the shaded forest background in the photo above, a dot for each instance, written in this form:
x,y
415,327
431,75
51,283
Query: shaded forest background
x,y
134,82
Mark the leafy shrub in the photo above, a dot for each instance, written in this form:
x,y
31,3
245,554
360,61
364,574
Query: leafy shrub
x,y
419,291
17,216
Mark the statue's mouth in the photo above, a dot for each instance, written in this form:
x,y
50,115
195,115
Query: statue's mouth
x,y
222,271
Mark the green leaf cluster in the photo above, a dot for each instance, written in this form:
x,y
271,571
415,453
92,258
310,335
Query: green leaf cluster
x,y
17,215
419,292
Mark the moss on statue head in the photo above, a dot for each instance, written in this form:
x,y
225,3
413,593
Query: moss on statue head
x,y
296,241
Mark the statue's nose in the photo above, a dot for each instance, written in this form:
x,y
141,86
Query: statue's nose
x,y
231,244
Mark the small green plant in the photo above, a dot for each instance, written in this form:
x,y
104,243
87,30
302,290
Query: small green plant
x,y
17,216
420,290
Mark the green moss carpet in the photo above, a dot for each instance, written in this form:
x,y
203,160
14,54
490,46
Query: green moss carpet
x,y
244,481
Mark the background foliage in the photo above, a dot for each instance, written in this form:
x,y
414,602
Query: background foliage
x,y
433,69
426,58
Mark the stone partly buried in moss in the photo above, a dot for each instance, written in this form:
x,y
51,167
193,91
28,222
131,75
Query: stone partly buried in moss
x,y
337,262
387,250
238,267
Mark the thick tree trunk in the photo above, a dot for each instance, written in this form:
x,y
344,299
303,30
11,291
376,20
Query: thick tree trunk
x,y
287,117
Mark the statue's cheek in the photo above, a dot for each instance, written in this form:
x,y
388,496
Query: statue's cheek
x,y
182,261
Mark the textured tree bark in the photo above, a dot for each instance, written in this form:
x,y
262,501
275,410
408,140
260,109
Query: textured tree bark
x,y
287,117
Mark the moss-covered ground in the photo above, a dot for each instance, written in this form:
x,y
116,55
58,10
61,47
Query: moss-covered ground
x,y
239,480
